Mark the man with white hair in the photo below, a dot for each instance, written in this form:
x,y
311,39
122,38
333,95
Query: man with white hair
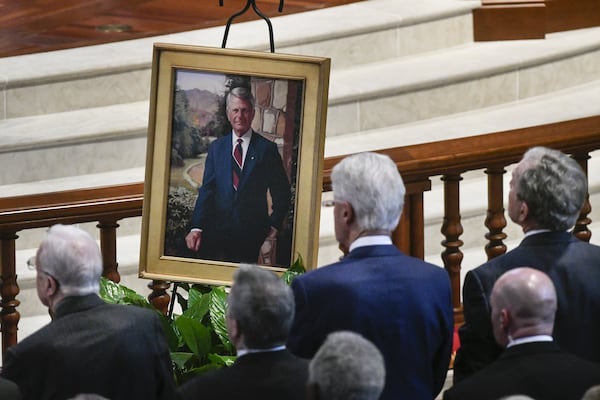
x,y
523,302
347,366
116,351
400,303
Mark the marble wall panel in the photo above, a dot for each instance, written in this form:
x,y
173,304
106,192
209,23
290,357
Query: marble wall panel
x,y
84,92
561,74
81,159
437,101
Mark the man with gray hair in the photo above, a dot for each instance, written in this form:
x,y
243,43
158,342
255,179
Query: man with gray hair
x,y
399,303
547,191
116,351
347,366
260,310
231,219
523,302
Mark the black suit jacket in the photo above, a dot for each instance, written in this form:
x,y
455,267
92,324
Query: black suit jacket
x,y
539,370
117,351
277,375
400,303
235,223
573,266
9,390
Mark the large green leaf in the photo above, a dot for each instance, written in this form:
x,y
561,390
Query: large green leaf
x,y
217,309
221,359
197,305
297,268
180,359
195,335
114,293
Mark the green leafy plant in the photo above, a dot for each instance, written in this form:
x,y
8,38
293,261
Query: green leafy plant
x,y
197,337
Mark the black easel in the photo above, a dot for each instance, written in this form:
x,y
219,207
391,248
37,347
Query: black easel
x,y
259,13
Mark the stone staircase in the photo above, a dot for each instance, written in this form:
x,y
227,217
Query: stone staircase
x,y
403,72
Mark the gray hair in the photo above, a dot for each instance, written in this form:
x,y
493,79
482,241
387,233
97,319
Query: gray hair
x,y
241,92
592,393
347,367
371,183
72,257
554,187
263,306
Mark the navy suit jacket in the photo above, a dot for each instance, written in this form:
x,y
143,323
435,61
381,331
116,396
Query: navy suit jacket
x,y
573,266
539,370
277,375
116,351
236,223
400,303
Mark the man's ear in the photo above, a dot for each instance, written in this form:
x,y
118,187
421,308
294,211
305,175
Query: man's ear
x,y
504,319
312,391
348,213
523,212
51,285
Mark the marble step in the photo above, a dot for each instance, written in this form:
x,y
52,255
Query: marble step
x,y
117,73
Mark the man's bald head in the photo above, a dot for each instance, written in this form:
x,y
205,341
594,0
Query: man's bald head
x,y
523,304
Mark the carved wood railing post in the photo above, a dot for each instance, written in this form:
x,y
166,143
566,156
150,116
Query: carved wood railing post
x,y
452,229
159,297
409,236
9,289
495,220
108,247
581,230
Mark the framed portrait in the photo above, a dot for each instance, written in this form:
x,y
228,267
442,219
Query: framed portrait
x,y
234,162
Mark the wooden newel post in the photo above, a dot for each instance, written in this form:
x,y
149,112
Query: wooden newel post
x,y
9,289
159,297
495,220
581,230
452,229
108,247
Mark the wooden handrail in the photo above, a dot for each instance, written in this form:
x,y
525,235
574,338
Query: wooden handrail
x,y
417,164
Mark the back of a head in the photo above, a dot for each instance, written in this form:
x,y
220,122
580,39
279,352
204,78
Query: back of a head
x,y
592,393
347,367
73,258
372,184
263,306
554,187
530,297
517,397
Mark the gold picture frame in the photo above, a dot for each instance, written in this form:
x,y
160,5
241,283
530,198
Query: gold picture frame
x,y
189,88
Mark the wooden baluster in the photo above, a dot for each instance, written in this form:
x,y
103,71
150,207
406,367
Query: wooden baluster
x,y
159,297
409,236
9,289
581,230
108,247
452,229
495,220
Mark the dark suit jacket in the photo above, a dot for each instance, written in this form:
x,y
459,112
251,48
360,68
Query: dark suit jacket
x,y
539,370
573,266
116,351
400,303
274,375
9,390
235,223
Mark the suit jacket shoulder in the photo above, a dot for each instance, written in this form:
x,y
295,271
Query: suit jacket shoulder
x,y
540,370
269,376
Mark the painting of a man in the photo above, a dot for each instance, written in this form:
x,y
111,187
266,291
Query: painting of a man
x,y
245,192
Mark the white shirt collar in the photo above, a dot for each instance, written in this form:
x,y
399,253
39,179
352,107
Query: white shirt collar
x,y
535,232
529,339
242,352
374,240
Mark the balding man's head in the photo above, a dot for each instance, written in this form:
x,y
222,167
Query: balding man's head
x,y
523,304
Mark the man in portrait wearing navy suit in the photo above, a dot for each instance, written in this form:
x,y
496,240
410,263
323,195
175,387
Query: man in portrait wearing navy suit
x,y
399,303
231,219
